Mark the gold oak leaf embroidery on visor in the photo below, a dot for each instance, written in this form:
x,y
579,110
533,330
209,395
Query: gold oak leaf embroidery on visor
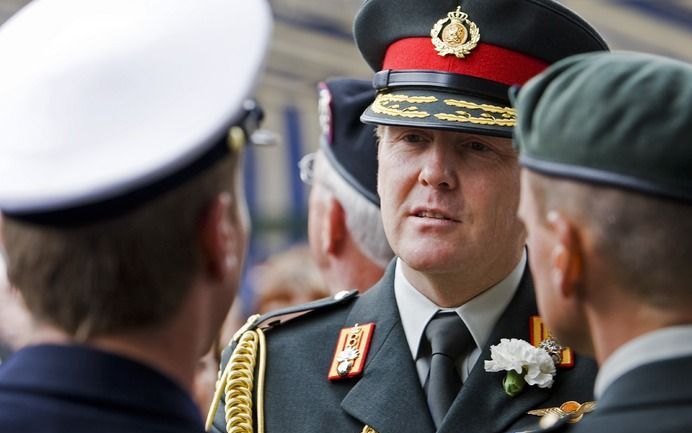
x,y
390,105
490,114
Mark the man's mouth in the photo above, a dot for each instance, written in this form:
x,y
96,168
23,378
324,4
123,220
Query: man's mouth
x,y
427,213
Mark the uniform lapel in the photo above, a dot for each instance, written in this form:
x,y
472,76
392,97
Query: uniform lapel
x,y
388,397
482,405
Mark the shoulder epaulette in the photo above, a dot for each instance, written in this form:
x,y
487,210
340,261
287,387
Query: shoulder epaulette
x,y
237,378
276,317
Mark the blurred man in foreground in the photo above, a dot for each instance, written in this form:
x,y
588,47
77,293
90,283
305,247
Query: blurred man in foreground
x,y
606,146
119,189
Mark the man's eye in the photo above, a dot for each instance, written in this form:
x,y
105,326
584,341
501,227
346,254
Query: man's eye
x,y
413,138
478,146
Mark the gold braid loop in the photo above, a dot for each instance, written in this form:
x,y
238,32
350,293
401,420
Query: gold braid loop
x,y
239,383
236,384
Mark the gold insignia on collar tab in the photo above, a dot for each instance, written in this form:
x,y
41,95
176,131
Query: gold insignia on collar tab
x,y
455,34
541,337
351,351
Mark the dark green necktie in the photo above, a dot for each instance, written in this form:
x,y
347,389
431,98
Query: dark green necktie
x,y
449,339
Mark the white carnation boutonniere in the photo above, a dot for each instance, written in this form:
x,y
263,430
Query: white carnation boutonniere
x,y
523,363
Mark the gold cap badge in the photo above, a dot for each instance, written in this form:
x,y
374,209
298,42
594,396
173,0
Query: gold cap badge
x,y
455,34
351,351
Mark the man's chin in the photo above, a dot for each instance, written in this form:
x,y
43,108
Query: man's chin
x,y
431,263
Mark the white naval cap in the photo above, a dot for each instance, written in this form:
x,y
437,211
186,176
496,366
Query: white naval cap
x,y
100,99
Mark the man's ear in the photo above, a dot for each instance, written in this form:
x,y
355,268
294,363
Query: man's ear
x,y
334,230
566,257
217,237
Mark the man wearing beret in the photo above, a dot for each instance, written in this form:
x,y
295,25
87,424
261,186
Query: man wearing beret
x,y
607,200
408,355
119,169
345,229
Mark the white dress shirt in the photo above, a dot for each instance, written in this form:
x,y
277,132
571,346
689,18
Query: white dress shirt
x,y
480,315
666,343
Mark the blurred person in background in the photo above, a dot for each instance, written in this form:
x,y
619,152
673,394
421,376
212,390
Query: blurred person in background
x,y
287,278
344,222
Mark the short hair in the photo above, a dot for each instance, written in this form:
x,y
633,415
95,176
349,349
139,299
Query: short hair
x,y
363,217
645,242
127,272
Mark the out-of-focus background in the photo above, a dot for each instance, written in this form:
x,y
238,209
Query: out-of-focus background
x,y
312,40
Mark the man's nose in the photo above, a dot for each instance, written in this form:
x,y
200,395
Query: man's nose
x,y
438,168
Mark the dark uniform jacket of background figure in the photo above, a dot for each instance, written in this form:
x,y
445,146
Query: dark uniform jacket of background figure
x,y
653,398
79,390
388,395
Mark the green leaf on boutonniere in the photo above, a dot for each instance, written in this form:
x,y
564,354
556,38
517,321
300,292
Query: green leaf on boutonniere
x,y
513,383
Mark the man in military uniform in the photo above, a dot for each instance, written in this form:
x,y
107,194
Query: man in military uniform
x,y
122,123
345,229
410,352
607,198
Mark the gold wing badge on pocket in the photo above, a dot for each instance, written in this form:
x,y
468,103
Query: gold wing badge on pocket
x,y
572,409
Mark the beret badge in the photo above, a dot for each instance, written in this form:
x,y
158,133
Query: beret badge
x,y
455,34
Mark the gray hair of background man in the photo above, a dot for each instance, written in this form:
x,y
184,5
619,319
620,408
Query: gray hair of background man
x,y
363,217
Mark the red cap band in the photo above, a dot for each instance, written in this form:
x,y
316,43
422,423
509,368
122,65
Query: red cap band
x,y
487,61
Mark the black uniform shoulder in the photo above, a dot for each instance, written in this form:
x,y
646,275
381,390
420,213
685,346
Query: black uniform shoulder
x,y
293,315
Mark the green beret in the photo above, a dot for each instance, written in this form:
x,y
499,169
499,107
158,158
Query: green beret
x,y
621,119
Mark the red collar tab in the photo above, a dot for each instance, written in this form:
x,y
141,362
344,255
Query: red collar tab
x,y
351,351
540,335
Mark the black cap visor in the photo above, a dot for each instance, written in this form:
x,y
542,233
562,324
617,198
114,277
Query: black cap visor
x,y
433,107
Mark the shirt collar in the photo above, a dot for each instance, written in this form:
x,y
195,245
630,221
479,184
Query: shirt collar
x,y
479,314
666,343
